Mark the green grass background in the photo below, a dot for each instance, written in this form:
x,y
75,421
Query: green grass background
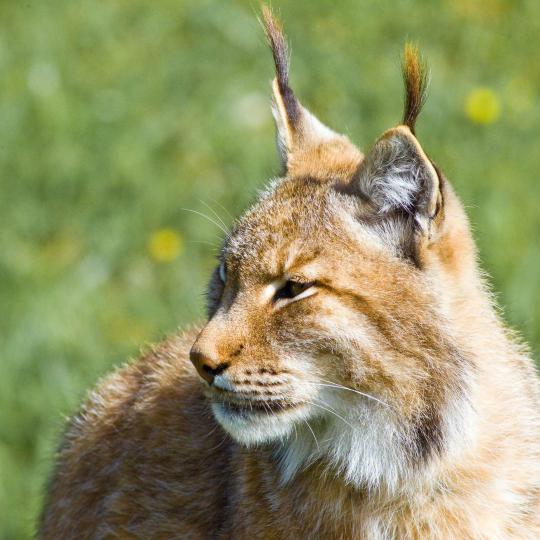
x,y
116,115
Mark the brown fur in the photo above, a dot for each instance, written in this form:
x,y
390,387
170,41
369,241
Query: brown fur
x,y
361,382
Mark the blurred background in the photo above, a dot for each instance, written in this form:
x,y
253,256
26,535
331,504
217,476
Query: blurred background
x,y
121,121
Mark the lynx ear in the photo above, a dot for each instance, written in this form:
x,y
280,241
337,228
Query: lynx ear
x,y
306,146
397,176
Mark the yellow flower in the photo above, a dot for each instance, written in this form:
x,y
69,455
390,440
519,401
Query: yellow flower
x,y
165,245
483,106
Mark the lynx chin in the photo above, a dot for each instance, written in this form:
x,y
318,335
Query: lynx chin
x,y
353,379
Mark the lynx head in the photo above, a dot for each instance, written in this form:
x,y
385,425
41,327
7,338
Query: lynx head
x,y
330,332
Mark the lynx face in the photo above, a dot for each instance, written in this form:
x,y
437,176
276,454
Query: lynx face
x,y
327,333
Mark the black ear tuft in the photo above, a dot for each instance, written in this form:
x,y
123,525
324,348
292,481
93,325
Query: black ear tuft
x,y
306,146
280,52
416,79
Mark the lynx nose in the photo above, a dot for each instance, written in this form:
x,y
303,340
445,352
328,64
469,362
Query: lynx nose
x,y
208,368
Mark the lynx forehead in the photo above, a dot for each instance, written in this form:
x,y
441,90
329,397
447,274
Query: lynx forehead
x,y
353,379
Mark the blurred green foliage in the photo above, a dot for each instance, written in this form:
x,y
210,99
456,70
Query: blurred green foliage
x,y
117,115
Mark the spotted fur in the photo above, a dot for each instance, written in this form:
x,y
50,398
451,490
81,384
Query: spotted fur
x,y
353,379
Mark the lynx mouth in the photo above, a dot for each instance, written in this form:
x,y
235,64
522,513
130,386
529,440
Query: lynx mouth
x,y
257,421
258,407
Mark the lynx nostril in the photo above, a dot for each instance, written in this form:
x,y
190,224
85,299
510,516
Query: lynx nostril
x,y
214,371
207,367
209,370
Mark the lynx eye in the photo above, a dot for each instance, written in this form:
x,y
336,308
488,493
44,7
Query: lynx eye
x,y
222,272
292,289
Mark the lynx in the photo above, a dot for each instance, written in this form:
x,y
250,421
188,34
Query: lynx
x,y
353,379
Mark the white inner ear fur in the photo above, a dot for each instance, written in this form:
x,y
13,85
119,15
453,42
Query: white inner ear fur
x,y
283,128
397,173
313,130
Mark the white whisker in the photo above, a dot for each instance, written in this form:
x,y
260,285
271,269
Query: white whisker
x,y
216,223
313,433
215,214
223,208
331,384
332,412
212,244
